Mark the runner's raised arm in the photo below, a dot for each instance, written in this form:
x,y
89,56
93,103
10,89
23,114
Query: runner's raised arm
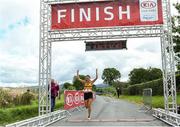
x,y
96,76
82,81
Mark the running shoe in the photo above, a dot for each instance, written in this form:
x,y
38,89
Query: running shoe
x,y
89,118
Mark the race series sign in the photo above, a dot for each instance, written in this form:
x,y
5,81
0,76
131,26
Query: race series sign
x,y
73,99
106,14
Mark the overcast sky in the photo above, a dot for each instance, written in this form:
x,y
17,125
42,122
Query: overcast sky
x,y
19,50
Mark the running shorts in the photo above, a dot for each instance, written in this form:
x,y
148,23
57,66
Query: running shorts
x,y
88,95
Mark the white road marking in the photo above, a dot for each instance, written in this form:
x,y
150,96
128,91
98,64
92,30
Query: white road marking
x,y
112,120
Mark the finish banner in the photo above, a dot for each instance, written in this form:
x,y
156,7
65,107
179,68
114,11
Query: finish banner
x,y
106,14
74,99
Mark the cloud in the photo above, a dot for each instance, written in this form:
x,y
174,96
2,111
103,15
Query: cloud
x,y
67,59
15,69
2,33
19,50
23,22
19,33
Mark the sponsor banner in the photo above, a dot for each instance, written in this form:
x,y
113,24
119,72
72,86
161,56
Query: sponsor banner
x,y
148,10
106,14
74,99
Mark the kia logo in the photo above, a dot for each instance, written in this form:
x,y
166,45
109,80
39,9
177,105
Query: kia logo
x,y
148,4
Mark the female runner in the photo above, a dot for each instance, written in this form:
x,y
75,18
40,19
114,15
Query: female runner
x,y
88,93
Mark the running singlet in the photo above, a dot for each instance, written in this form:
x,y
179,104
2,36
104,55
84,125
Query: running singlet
x,y
88,86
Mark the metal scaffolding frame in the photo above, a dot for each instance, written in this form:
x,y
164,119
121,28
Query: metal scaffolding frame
x,y
168,60
106,33
44,60
47,36
43,120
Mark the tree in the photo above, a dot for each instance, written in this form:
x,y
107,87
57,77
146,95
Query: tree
x,y
140,75
94,88
71,87
77,84
154,73
110,75
120,84
176,31
67,85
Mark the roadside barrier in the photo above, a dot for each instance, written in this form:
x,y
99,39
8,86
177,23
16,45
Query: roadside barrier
x,y
43,120
147,100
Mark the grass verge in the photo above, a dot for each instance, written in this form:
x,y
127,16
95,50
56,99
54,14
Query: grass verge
x,y
11,115
157,101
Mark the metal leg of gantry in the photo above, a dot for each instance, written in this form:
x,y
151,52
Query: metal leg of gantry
x,y
169,114
44,60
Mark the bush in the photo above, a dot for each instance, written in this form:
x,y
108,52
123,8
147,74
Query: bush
x,y
59,105
19,113
66,85
178,82
156,85
71,87
17,100
100,90
125,91
5,98
94,88
107,90
27,98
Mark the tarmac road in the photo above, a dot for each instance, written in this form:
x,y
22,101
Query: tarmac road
x,y
107,111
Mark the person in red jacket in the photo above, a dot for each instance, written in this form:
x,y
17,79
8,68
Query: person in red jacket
x,y
54,93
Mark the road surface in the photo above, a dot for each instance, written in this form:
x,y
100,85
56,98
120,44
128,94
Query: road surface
x,y
107,111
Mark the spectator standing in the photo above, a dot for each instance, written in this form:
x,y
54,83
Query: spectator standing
x,y
54,93
118,90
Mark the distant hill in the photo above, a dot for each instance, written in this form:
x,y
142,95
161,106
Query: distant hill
x,y
35,88
102,85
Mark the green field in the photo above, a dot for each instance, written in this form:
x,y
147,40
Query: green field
x,y
18,113
157,101
11,115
